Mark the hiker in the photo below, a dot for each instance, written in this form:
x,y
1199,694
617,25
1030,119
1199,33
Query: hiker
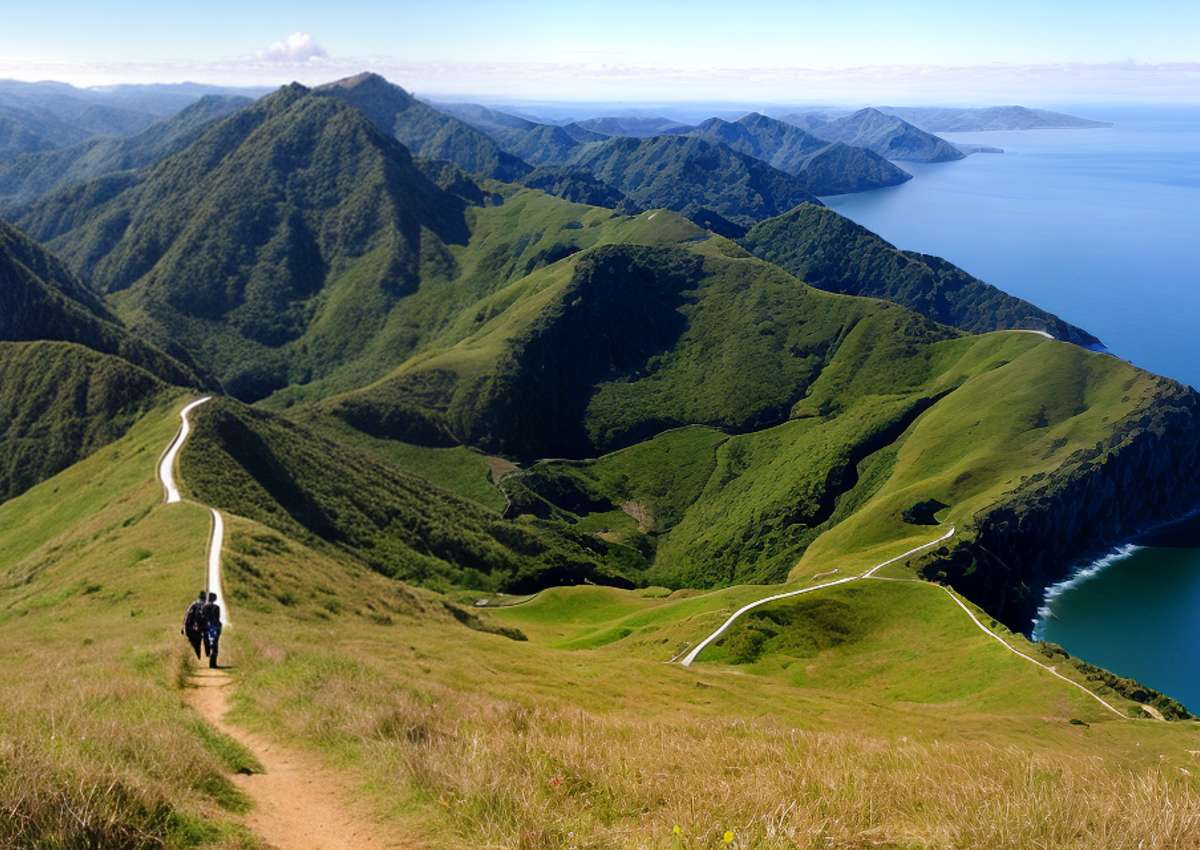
x,y
212,629
193,624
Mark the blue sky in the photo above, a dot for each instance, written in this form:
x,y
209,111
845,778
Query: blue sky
x,y
769,49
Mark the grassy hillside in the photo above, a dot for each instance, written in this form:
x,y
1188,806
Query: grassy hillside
x,y
905,726
558,365
971,427
508,242
97,748
690,175
831,252
41,299
274,471
60,402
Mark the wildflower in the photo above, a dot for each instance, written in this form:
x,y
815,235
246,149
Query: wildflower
x,y
728,837
676,830
555,781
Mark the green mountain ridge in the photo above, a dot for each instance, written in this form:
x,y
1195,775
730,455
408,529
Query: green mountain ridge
x,y
831,252
60,402
258,227
689,175
565,369
262,466
578,185
425,131
887,135
829,168
40,299
23,131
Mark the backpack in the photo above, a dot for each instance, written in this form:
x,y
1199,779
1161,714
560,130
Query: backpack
x,y
211,614
194,621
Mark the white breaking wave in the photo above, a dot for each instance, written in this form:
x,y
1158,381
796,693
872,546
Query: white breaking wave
x,y
1046,611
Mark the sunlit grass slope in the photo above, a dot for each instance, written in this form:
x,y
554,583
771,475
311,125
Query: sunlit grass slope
x,y
557,364
865,728
96,749
1023,418
958,424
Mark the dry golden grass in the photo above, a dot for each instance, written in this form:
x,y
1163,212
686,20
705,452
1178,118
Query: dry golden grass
x,y
94,753
497,773
479,741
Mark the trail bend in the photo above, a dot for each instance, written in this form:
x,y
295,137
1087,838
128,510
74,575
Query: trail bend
x,y
298,804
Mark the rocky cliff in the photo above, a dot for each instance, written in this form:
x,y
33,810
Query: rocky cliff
x,y
1146,473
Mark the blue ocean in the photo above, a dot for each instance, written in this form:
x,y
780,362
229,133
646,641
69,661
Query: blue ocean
x,y
1102,227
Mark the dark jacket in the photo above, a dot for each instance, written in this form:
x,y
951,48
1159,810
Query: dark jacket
x,y
195,617
212,615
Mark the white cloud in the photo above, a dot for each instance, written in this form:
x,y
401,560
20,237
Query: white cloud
x,y
297,49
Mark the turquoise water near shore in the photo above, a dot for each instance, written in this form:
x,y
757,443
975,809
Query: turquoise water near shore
x,y
1136,612
1101,227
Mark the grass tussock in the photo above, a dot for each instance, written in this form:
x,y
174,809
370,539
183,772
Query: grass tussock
x,y
503,774
109,760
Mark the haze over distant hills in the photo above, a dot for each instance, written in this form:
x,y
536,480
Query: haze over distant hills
x,y
828,168
691,174
24,178
886,135
48,115
504,418
825,168
424,130
960,120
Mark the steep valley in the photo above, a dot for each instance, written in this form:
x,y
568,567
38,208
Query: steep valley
x,y
496,446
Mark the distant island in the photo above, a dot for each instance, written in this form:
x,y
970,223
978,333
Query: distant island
x,y
938,119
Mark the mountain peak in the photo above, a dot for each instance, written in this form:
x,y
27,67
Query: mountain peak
x,y
284,96
870,112
359,79
366,81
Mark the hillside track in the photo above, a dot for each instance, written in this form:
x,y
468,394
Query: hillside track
x,y
700,647
870,574
1014,650
298,804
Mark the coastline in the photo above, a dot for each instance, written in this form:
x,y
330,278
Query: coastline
x,y
1080,575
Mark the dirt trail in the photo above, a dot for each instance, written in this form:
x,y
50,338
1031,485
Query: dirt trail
x,y
298,804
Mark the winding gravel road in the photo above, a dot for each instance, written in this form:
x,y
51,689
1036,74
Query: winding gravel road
x,y
166,474
698,648
870,574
